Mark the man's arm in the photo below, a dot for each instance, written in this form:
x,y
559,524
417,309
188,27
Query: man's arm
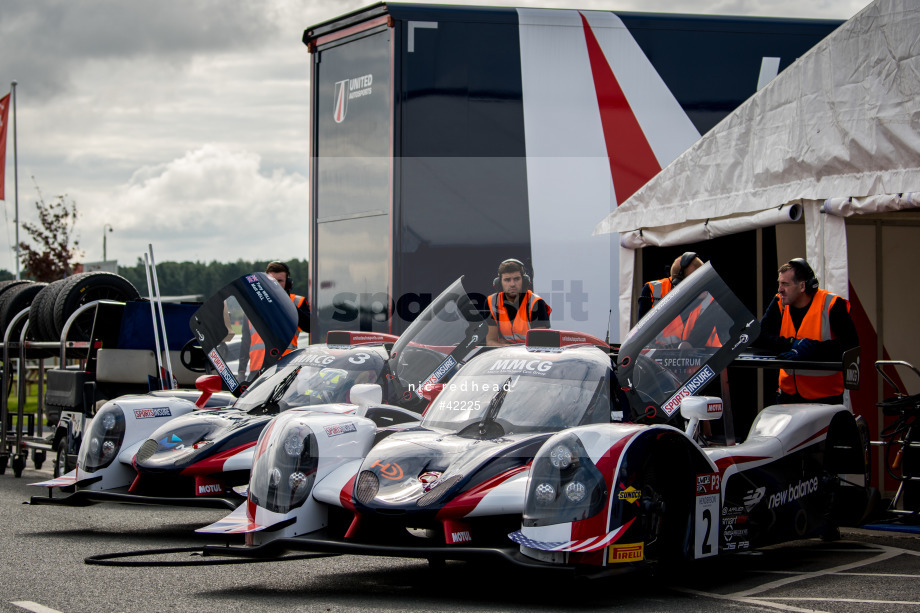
x,y
492,337
540,317
303,317
245,342
645,302
770,323
843,331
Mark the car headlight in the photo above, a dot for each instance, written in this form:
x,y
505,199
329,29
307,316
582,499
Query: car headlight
x,y
283,474
564,486
103,441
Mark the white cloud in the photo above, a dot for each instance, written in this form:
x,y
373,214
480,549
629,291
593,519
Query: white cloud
x,y
213,203
185,122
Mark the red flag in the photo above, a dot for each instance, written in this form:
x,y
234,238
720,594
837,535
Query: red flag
x,y
4,114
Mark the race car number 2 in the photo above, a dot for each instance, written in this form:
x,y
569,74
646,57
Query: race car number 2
x,y
707,516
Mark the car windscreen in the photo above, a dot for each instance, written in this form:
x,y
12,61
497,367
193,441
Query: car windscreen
x,y
682,344
255,298
537,392
438,340
313,376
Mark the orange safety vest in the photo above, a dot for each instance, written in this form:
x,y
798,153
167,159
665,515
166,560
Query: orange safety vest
x,y
678,330
257,344
815,325
659,289
514,331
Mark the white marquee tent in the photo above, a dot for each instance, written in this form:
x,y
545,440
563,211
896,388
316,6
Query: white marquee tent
x,y
836,134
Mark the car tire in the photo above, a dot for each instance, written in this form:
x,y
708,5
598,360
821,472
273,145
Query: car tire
x,y
15,300
61,464
11,283
663,517
866,440
84,288
42,312
38,458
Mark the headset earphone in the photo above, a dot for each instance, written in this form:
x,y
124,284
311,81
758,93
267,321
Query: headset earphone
x,y
685,260
528,282
288,281
803,271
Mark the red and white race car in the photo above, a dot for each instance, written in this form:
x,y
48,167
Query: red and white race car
x,y
162,448
563,452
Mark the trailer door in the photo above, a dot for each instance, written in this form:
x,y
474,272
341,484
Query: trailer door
x,y
350,179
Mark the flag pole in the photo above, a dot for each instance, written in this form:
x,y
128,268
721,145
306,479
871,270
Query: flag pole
x,y
15,177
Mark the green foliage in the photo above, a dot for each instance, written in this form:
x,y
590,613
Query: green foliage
x,y
204,279
6,275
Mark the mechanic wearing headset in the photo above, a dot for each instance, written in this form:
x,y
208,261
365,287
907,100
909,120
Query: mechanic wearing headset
x,y
255,357
805,322
654,291
514,309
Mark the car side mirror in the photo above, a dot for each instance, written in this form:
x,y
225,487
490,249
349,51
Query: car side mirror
x,y
208,385
365,395
431,391
695,409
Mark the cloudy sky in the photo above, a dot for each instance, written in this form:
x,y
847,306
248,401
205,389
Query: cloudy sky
x,y
184,123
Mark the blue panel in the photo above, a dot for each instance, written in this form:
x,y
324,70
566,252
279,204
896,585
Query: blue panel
x,y
137,330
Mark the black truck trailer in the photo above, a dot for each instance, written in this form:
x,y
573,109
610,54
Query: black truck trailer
x,y
445,139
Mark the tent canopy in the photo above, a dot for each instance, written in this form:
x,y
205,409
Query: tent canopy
x,y
837,132
841,121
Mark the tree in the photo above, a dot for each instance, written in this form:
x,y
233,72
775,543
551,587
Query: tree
x,y
55,247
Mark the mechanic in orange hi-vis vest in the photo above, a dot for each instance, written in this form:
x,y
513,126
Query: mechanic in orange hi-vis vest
x,y
281,273
514,309
654,291
805,322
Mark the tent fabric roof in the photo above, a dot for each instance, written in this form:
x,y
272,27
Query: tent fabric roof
x,y
841,121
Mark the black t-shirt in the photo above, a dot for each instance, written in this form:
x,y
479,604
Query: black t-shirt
x,y
540,312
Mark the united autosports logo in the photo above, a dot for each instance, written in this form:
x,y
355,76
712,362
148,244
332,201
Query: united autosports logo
x,y
153,412
696,382
346,90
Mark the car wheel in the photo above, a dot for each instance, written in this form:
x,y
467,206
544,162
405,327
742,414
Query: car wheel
x,y
663,519
84,288
19,464
41,314
61,465
38,458
866,438
15,300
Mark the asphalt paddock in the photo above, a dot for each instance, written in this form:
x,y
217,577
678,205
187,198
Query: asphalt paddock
x,y
42,569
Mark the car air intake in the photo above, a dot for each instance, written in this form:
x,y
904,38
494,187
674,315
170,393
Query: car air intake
x,y
146,450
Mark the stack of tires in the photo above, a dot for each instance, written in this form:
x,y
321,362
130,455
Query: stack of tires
x,y
51,305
